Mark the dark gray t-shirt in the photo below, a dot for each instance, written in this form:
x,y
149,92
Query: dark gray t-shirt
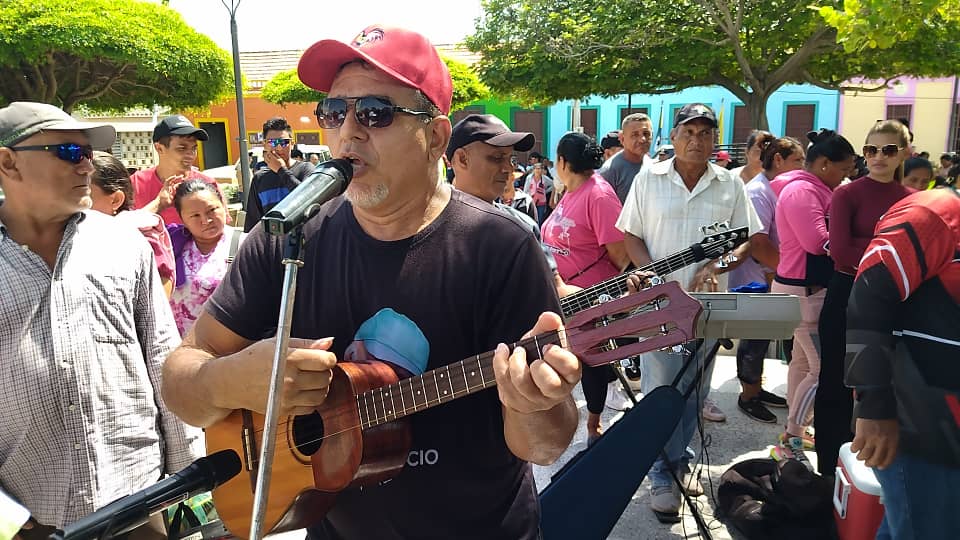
x,y
619,172
470,280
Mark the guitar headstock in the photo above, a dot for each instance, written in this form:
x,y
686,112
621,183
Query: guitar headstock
x,y
719,239
661,316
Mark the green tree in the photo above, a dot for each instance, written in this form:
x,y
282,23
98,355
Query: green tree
x,y
285,87
548,50
872,24
107,55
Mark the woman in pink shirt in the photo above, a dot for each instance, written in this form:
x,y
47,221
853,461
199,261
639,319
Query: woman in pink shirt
x,y
582,234
855,210
805,269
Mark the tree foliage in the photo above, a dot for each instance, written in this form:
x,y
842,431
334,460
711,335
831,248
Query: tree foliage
x,y
872,24
285,87
548,50
107,54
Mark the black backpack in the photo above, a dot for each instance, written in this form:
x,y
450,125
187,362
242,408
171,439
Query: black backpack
x,y
766,499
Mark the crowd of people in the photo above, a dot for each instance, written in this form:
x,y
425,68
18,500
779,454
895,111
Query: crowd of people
x,y
135,314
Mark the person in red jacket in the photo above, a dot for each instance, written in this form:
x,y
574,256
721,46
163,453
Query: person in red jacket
x,y
903,360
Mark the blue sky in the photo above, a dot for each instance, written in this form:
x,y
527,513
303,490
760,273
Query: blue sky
x,y
297,24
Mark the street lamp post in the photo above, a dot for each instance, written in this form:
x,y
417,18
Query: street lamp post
x,y
238,86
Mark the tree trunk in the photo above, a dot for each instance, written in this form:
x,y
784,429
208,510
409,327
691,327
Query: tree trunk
x,y
757,106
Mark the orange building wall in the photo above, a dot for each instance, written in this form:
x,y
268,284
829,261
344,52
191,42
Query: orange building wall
x,y
257,111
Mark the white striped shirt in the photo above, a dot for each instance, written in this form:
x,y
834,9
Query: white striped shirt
x,y
667,216
82,346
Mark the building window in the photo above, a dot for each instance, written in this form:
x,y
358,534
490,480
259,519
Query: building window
x,y
742,124
900,112
588,121
627,111
459,115
799,121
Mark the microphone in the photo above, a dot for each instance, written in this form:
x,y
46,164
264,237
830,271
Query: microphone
x,y
129,512
329,180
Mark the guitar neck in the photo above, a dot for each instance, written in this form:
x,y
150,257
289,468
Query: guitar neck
x,y
617,286
439,386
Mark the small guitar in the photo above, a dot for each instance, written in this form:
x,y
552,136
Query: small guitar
x,y
360,434
719,239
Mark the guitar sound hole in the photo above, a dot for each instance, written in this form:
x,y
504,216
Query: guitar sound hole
x,y
308,433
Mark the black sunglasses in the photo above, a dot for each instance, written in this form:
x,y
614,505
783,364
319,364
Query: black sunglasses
x,y
889,150
72,152
370,111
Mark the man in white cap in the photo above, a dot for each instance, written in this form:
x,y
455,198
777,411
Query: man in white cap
x,y
466,275
84,328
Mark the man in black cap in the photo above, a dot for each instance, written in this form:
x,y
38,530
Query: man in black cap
x,y
175,140
84,328
610,143
667,204
479,151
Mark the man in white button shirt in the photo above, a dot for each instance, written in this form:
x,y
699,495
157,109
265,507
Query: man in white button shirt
x,y
667,204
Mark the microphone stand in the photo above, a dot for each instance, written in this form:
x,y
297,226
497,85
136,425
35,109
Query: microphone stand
x,y
292,261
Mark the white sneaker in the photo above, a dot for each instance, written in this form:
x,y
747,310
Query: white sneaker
x,y
616,398
712,412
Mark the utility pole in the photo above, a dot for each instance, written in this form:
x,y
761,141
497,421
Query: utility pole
x,y
238,86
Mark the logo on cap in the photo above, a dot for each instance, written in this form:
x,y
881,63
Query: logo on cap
x,y
366,37
182,121
700,109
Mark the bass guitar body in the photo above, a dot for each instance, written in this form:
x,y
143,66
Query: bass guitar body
x,y
316,456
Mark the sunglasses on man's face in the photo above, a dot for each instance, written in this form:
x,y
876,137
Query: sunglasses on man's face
x,y
72,152
889,150
370,111
278,142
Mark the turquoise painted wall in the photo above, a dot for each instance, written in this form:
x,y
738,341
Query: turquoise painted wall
x,y
608,115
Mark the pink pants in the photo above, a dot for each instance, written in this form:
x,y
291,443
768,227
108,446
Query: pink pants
x,y
804,370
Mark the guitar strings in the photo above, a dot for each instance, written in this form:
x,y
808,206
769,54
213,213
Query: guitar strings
x,y
546,338
617,285
685,257
406,411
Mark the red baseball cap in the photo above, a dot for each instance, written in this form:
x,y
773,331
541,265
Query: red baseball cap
x,y
404,55
723,154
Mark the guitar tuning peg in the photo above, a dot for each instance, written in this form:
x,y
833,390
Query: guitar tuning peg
x,y
722,263
703,230
730,258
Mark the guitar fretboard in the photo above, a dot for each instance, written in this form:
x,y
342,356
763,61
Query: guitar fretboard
x,y
441,385
617,286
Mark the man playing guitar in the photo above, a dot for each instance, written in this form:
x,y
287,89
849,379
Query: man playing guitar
x,y
408,261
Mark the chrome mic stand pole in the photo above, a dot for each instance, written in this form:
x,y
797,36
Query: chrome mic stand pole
x,y
292,262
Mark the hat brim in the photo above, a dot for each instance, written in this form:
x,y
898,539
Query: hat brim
x,y
101,136
713,121
322,61
520,141
200,134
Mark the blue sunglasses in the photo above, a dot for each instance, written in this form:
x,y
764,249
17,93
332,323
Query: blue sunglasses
x,y
72,152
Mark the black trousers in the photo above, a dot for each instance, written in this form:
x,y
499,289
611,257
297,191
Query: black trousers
x,y
594,382
833,407
750,355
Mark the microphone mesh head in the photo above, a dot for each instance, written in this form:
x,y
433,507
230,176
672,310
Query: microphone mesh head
x,y
223,466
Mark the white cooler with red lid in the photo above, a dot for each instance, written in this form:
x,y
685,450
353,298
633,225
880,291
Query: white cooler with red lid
x,y
857,498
